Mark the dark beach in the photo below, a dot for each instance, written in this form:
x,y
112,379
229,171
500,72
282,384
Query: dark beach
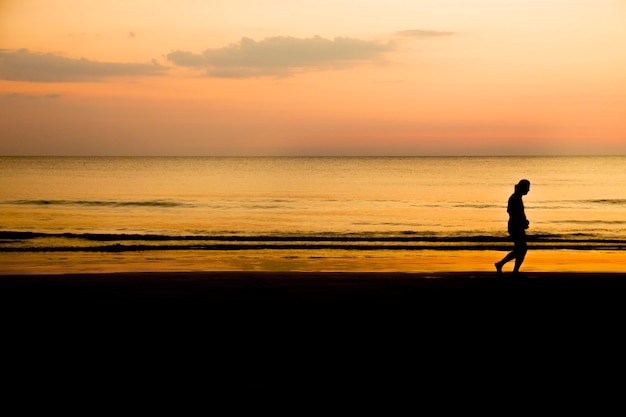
x,y
284,295
243,288
235,329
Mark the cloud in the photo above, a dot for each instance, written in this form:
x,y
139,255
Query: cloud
x,y
32,96
23,65
419,33
279,56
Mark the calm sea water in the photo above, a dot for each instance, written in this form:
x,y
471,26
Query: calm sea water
x,y
305,207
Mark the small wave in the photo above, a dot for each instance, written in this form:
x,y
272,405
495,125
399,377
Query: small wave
x,y
594,221
118,247
609,201
477,206
95,203
564,204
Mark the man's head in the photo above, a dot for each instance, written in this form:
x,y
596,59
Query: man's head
x,y
522,187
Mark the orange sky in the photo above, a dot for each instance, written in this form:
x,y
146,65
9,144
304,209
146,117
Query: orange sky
x,y
325,77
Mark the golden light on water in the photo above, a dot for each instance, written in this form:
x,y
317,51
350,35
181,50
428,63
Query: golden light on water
x,y
307,261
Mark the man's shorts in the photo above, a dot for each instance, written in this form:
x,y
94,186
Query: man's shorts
x,y
519,239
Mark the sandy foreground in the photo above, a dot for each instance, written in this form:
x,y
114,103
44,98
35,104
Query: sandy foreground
x,y
238,304
250,285
130,331
263,292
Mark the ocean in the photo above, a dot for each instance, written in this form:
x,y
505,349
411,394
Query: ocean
x,y
103,214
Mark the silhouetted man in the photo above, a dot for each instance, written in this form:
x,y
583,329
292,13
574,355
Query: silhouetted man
x,y
517,227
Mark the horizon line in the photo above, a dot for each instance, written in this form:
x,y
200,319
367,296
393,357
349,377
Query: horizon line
x,y
318,156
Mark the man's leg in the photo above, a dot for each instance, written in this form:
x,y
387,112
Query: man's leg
x,y
509,257
520,253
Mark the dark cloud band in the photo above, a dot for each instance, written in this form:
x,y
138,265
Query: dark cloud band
x,y
32,96
274,56
23,65
280,56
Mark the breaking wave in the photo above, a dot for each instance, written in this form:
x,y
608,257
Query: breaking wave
x,y
90,242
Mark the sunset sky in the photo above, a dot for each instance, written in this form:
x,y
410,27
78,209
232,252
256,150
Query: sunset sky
x,y
324,77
